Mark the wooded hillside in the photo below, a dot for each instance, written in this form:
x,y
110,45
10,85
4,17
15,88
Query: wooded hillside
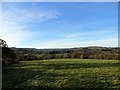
x,y
82,53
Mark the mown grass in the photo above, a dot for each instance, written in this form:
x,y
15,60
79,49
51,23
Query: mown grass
x,y
62,73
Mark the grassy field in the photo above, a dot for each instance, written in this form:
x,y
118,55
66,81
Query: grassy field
x,y
62,73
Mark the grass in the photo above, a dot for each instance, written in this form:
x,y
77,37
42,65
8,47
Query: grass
x,y
62,73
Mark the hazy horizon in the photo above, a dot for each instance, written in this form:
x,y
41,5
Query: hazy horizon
x,y
65,48
59,25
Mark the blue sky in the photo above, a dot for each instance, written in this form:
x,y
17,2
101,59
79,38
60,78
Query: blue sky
x,y
60,24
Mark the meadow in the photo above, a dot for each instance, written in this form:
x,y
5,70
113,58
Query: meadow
x,y
62,73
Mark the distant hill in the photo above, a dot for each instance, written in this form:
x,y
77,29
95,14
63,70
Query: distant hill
x,y
90,52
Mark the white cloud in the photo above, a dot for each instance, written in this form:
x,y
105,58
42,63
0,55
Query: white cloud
x,y
61,43
70,43
15,31
13,34
16,21
23,15
109,42
90,33
70,35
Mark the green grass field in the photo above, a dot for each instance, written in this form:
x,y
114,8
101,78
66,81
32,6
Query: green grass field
x,y
62,73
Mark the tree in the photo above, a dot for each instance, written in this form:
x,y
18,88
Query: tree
x,y
8,55
76,55
67,55
3,43
59,56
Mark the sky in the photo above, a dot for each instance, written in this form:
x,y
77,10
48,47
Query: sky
x,y
59,24
60,0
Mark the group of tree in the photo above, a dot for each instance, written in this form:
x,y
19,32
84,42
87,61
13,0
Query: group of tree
x,y
81,53
11,55
7,54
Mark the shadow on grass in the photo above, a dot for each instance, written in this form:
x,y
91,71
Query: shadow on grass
x,y
25,78
16,78
22,78
80,65
73,65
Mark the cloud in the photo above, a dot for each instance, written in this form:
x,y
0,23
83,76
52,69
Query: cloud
x,y
71,43
16,21
70,35
109,42
61,43
91,33
13,34
23,15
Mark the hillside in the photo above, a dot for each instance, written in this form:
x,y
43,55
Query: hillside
x,y
93,52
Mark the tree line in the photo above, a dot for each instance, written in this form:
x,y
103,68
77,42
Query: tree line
x,y
81,53
12,55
